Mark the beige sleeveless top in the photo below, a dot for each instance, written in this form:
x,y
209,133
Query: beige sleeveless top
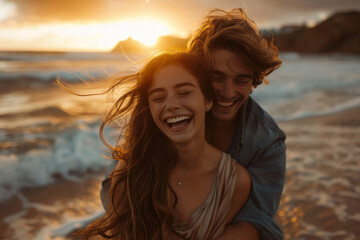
x,y
209,220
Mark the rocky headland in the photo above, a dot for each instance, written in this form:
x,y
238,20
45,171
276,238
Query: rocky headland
x,y
340,33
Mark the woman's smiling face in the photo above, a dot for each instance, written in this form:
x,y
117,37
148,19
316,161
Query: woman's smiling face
x,y
177,104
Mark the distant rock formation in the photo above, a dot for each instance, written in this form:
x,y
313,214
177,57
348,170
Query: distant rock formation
x,y
130,46
133,46
340,33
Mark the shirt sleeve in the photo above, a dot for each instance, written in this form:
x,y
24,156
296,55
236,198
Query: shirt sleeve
x,y
105,185
267,172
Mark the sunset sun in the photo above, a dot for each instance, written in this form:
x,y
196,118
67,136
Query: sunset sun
x,y
147,31
144,30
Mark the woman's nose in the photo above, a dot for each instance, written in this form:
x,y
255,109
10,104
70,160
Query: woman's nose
x,y
172,104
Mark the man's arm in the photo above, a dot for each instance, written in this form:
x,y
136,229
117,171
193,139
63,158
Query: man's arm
x,y
267,172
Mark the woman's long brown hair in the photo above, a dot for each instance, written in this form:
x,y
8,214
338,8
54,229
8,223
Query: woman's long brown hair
x,y
140,206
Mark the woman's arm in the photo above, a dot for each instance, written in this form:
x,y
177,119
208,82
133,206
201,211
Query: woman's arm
x,y
240,230
241,192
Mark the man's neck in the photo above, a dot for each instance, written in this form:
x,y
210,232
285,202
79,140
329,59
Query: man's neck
x,y
219,133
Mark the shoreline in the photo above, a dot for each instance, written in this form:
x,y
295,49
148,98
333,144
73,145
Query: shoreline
x,y
345,118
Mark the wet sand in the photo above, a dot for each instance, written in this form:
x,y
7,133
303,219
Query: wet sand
x,y
322,191
320,200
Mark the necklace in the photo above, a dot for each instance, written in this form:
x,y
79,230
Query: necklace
x,y
180,178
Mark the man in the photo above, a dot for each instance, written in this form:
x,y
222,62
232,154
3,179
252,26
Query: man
x,y
239,59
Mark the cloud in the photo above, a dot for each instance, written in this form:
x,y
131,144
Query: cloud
x,y
184,14
64,10
311,5
36,11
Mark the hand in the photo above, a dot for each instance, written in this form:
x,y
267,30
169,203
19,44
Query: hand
x,y
240,230
174,236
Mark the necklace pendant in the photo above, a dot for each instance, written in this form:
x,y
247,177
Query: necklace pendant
x,y
178,183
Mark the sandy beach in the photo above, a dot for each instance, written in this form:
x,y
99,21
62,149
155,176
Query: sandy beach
x,y
320,200
322,192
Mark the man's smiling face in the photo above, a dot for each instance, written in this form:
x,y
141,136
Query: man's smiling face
x,y
232,83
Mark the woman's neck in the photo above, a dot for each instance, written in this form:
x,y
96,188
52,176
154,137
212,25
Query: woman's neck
x,y
191,153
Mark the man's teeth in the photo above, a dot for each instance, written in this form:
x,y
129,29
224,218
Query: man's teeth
x,y
177,119
225,104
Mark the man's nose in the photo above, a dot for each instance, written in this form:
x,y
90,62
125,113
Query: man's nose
x,y
228,90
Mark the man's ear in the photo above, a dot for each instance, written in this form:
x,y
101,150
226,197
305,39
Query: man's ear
x,y
208,104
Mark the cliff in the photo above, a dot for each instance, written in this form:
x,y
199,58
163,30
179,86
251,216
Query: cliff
x,y
340,33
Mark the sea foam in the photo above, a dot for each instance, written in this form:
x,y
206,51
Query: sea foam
x,y
75,151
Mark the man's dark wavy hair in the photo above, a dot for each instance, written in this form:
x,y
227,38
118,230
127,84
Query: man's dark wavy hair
x,y
235,32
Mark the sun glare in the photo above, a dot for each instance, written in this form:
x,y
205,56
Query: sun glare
x,y
6,9
147,31
85,37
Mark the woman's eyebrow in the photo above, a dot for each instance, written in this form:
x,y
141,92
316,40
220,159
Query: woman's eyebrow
x,y
155,90
184,84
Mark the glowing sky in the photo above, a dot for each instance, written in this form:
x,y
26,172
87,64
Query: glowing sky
x,y
97,25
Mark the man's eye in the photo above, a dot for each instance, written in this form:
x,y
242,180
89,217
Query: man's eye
x,y
217,78
243,81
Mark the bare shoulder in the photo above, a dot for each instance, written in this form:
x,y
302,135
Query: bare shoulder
x,y
241,191
243,181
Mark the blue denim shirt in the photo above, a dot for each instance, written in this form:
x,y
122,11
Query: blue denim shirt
x,y
259,145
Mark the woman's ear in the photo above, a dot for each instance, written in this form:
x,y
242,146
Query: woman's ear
x,y
208,105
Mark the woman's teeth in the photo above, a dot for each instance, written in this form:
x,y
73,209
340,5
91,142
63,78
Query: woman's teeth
x,y
177,119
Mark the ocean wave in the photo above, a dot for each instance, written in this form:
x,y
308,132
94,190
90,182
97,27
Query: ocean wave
x,y
50,111
51,76
54,56
74,151
72,225
319,112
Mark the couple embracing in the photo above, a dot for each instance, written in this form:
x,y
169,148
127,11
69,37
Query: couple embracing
x,y
200,159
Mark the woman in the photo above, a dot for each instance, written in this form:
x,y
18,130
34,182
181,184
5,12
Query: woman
x,y
169,181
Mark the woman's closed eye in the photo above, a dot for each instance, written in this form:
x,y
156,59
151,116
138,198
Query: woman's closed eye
x,y
157,98
184,93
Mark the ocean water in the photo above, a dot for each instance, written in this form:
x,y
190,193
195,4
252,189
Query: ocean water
x,y
47,134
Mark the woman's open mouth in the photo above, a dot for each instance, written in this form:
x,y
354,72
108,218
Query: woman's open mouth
x,y
178,122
